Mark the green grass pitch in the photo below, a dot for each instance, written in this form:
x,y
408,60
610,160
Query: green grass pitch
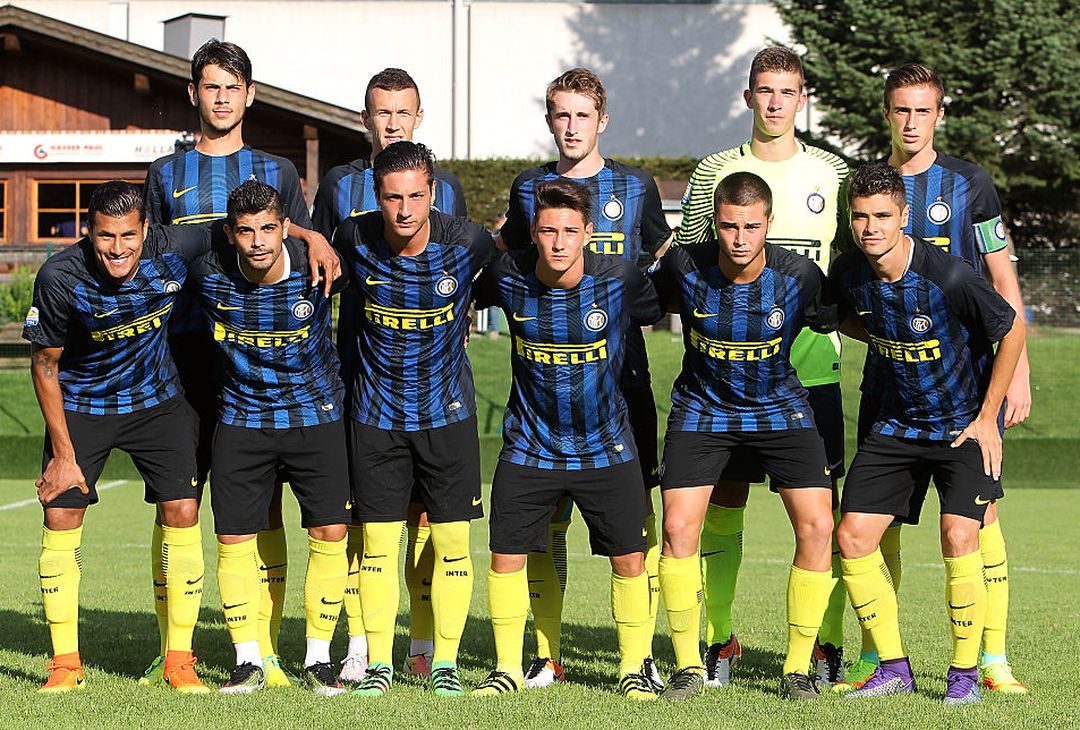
x,y
119,636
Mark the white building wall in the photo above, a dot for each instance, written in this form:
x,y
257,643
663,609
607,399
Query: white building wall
x,y
674,72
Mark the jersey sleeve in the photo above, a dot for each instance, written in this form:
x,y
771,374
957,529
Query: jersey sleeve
x,y
654,228
324,214
697,205
986,215
664,277
47,321
481,247
838,291
843,240
153,197
515,232
485,289
972,298
645,306
461,209
292,196
820,310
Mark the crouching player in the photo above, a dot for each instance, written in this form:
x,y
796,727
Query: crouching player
x,y
105,379
742,303
566,432
280,410
931,323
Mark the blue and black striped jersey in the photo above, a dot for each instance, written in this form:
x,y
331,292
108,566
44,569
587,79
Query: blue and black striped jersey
x,y
115,359
191,187
275,353
932,336
413,373
736,370
565,409
628,220
348,191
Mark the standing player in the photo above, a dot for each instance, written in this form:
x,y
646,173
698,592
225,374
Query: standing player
x,y
566,430
743,302
105,379
413,405
931,322
628,222
280,411
392,112
192,187
954,206
805,183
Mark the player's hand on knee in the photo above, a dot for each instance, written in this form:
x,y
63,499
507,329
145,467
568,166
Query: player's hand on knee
x,y
984,431
59,476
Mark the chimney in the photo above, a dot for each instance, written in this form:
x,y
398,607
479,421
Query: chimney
x,y
185,33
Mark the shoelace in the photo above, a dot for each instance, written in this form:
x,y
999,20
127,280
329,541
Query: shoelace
x,y
324,673
446,678
635,681
242,673
377,678
683,679
803,682
500,681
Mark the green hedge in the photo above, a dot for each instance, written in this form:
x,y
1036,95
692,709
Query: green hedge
x,y
487,182
15,296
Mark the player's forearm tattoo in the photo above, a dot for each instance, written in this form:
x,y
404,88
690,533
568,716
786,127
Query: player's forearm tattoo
x,y
44,362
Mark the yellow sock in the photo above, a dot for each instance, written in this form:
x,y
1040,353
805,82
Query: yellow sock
x,y
452,585
546,588
238,583
379,588
721,556
890,553
680,586
419,577
965,600
182,563
630,609
807,595
874,601
353,552
273,556
996,573
60,570
324,586
652,572
508,604
161,595
832,623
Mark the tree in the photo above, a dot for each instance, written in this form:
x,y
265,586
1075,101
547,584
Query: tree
x,y
1012,75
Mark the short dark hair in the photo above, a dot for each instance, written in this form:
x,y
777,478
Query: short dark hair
x,y
401,156
228,56
116,199
913,74
743,188
391,79
877,178
561,192
578,80
253,196
776,59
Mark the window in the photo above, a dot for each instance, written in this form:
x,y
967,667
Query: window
x,y
60,208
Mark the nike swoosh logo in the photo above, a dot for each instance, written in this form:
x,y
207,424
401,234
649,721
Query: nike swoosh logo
x,y
375,282
519,318
453,560
996,565
714,552
961,608
861,313
980,500
704,315
354,212
193,582
537,580
179,193
194,482
372,557
103,315
156,584
476,502
227,607
354,572
46,577
863,605
328,603
226,307
272,567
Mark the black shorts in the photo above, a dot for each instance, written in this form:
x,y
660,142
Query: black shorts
x,y
890,476
641,408
827,403
160,441
441,464
249,462
195,356
791,458
611,500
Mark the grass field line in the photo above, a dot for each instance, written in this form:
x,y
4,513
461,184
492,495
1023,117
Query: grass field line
x,y
25,502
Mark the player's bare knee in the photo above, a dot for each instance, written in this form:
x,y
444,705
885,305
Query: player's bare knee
x,y
814,532
853,542
959,535
681,533
179,513
507,562
328,533
63,518
630,565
